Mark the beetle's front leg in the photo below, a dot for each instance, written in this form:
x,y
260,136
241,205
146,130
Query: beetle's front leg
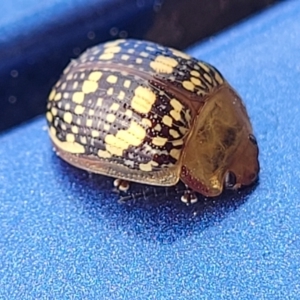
x,y
121,185
189,197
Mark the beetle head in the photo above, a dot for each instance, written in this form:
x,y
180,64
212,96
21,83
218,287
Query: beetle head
x,y
222,150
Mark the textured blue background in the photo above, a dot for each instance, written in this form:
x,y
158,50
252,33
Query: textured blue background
x,y
64,235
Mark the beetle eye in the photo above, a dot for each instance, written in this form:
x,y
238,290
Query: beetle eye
x,y
252,139
230,180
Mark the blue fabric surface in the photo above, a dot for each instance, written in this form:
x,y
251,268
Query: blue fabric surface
x,y
64,235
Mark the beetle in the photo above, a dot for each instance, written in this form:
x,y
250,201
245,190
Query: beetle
x,y
141,112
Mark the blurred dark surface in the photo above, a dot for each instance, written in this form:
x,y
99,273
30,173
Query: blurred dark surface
x,y
33,57
181,23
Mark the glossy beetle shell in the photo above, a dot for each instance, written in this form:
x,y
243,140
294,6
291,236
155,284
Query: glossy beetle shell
x,y
142,112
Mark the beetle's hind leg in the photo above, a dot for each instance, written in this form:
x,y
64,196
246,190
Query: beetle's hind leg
x,y
121,187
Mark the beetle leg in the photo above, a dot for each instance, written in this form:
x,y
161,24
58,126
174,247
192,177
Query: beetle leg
x,y
121,185
189,197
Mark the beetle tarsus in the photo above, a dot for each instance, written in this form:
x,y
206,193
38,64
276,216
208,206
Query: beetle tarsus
x,y
189,197
121,185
